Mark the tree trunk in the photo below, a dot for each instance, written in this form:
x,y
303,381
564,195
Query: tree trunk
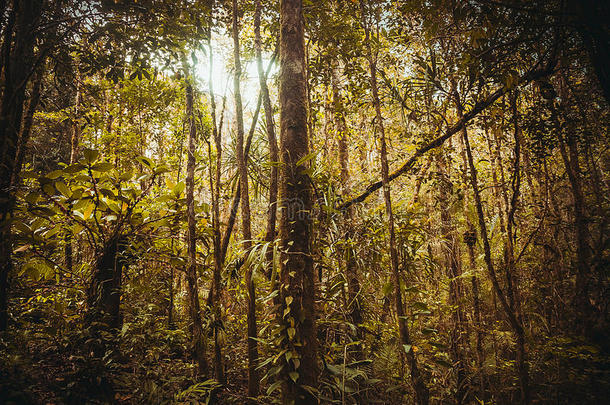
x,y
270,232
253,383
470,239
351,275
453,266
297,289
17,64
104,295
74,144
215,192
421,390
514,321
197,333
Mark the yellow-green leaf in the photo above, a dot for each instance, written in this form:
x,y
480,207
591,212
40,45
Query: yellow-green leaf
x,y
88,210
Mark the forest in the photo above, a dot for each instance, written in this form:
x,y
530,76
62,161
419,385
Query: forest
x,y
304,202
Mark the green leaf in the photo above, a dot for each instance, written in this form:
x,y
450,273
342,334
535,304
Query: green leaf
x,y
273,387
32,197
294,376
91,155
76,167
387,288
420,306
63,188
178,188
110,218
22,226
102,167
42,211
54,174
88,211
161,169
48,188
407,348
82,203
106,192
145,161
126,176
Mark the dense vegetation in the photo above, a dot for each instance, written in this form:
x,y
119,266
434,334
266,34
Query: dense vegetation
x,y
300,201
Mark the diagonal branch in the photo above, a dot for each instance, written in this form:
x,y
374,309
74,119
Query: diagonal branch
x,y
438,141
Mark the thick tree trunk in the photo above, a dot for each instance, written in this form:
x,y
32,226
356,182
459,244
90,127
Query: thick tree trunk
x,y
104,295
421,390
28,120
17,63
197,333
297,290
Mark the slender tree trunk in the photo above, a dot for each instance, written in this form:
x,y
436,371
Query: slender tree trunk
x,y
583,253
253,382
514,321
351,275
297,290
270,232
215,192
453,265
74,146
470,239
175,229
421,390
197,333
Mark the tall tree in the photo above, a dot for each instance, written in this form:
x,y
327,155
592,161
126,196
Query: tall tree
x,y
17,65
514,320
197,333
421,390
270,231
297,290
253,382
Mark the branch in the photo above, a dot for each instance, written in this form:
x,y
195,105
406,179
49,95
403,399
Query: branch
x,y
438,141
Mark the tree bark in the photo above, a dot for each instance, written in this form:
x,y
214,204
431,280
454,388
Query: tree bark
x,y
297,290
197,333
215,193
104,295
17,64
351,275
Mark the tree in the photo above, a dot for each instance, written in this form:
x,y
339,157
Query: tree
x,y
18,64
197,333
297,290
